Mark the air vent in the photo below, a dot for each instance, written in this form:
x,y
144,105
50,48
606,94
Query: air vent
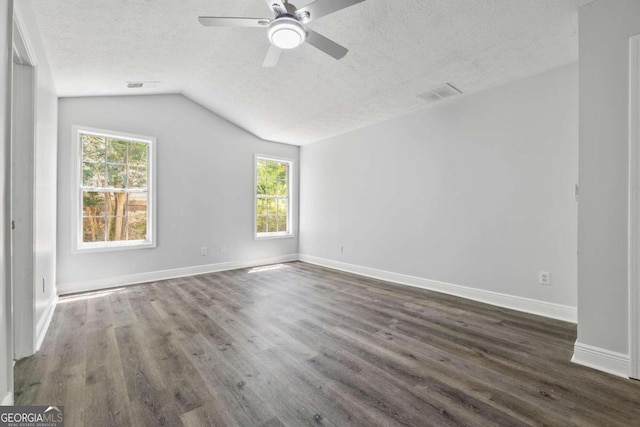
x,y
146,85
446,91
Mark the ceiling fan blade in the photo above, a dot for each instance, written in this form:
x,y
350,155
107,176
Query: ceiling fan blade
x,y
219,21
322,43
277,6
272,57
320,8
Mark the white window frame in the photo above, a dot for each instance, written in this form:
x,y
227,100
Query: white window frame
x,y
78,246
291,191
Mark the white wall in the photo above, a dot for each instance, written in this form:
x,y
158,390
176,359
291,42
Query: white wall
x,y
605,29
205,189
476,192
6,352
44,224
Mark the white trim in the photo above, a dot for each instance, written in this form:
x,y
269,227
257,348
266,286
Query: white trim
x,y
45,321
77,246
634,207
132,279
21,43
22,258
7,400
527,305
601,359
94,247
6,283
290,187
274,235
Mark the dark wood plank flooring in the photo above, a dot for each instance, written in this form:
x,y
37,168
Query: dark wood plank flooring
x,y
297,344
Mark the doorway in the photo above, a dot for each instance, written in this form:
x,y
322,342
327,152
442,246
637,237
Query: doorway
x,y
23,92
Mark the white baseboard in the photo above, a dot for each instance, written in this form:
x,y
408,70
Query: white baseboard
x,y
601,359
527,305
132,279
7,400
43,324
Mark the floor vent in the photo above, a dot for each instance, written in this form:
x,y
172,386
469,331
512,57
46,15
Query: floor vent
x,y
443,92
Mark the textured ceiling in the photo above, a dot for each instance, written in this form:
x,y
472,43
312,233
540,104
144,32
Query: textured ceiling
x,y
397,50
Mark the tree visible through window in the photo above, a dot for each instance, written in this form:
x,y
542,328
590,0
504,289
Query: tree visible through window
x,y
114,189
273,197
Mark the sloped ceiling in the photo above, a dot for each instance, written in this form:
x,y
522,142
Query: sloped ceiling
x,y
397,50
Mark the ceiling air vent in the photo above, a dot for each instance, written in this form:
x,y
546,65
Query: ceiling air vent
x,y
446,91
146,85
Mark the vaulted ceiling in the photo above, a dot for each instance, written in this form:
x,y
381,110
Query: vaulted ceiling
x,y
397,50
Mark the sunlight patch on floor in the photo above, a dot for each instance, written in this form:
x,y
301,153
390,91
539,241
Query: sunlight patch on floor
x,y
88,295
267,268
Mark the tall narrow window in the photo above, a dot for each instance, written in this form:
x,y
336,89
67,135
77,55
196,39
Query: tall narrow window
x,y
115,198
273,197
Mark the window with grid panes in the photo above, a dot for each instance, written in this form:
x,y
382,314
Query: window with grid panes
x,y
273,197
115,198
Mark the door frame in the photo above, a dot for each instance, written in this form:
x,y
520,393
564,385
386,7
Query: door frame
x,y
634,207
23,123
5,229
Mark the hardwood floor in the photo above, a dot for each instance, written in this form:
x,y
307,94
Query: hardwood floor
x,y
297,345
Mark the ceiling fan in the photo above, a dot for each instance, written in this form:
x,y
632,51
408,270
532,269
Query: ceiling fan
x,y
287,30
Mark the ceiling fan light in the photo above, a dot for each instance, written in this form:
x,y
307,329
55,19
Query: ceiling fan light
x,y
286,33
286,38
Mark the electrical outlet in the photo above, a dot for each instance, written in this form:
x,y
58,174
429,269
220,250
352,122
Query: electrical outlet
x,y
204,251
43,285
223,249
341,249
544,277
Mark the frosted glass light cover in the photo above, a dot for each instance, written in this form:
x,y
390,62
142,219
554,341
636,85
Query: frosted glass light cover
x,y
286,33
286,38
